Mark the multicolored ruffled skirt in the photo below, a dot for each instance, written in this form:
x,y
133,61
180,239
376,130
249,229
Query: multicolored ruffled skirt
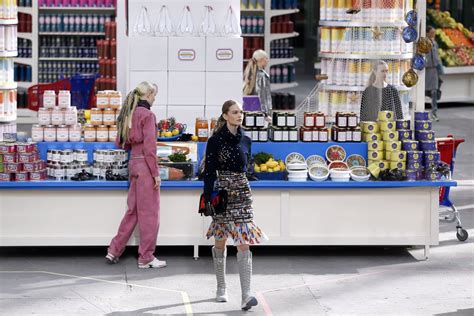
x,y
237,221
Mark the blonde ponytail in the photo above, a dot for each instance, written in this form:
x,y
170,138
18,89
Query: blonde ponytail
x,y
250,72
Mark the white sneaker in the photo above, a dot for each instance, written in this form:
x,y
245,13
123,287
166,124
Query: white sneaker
x,y
154,264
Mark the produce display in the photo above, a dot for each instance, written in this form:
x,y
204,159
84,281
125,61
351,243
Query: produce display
x,y
169,128
456,43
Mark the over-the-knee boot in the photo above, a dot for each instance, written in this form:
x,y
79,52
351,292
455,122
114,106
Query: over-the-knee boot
x,y
244,261
219,256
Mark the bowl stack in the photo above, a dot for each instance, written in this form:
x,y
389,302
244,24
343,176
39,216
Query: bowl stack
x,y
296,167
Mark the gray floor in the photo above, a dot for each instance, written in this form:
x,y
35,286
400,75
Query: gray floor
x,y
287,281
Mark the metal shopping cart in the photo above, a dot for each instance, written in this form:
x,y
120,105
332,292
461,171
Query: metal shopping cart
x,y
447,147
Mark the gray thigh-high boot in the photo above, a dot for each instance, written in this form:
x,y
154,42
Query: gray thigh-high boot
x,y
244,261
219,257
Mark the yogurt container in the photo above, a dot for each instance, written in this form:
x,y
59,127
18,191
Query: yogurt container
x,y
423,125
402,124
428,145
424,135
415,156
405,134
410,145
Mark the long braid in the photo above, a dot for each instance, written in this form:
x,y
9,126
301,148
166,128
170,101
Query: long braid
x,y
250,77
125,117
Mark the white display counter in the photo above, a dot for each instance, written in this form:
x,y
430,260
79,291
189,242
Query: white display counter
x,y
458,84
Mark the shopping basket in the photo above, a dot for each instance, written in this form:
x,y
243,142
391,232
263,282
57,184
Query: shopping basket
x,y
35,93
82,90
447,147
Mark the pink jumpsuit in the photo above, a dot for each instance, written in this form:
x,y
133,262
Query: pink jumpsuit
x,y
143,200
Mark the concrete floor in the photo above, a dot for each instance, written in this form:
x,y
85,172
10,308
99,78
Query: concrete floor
x,y
287,281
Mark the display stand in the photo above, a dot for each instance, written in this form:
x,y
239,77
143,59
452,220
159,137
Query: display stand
x,y
58,213
458,85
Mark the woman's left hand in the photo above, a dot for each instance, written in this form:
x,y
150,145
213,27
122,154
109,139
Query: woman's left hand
x,y
157,183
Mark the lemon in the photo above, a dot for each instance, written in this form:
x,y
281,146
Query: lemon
x,y
269,164
263,167
270,170
276,169
194,138
87,114
257,169
168,134
175,132
274,164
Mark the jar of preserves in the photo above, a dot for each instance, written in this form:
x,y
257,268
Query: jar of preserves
x,y
80,155
341,119
202,129
259,119
50,133
37,133
249,119
349,135
357,135
308,120
263,135
109,116
97,117
102,133
62,133
290,119
213,123
115,99
315,133
57,116
44,116
277,134
293,134
285,135
323,134
89,133
75,133
319,120
102,99
112,133
64,99
352,120
306,134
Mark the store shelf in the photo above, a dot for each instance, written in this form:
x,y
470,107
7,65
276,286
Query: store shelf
x,y
279,86
281,61
66,59
27,10
78,9
8,85
73,33
8,21
25,35
458,70
252,10
355,88
283,12
253,35
26,113
277,36
8,54
362,24
8,119
27,61
366,56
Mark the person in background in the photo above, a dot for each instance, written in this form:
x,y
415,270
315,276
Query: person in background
x,y
137,133
257,81
379,95
228,157
434,69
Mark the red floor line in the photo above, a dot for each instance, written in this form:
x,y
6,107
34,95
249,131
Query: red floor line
x,y
263,302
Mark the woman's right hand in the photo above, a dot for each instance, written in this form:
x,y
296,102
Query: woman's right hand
x,y
157,183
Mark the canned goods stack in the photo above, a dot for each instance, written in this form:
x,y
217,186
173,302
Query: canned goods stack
x,y
281,49
283,127
24,48
282,73
50,71
102,125
346,128
21,162
254,126
24,22
73,23
65,164
251,44
282,24
57,119
284,4
252,24
107,54
114,160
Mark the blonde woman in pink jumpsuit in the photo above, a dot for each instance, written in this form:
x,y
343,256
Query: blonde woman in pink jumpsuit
x,y
137,132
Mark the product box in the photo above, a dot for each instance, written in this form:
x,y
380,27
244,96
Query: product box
x,y
158,77
222,86
224,54
148,54
186,88
186,54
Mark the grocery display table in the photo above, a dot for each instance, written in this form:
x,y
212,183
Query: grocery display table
x,y
458,84
69,213
56,213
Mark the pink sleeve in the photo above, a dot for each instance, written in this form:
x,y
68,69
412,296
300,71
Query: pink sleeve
x,y
126,146
149,144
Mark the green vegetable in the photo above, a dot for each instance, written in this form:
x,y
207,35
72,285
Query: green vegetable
x,y
177,157
261,157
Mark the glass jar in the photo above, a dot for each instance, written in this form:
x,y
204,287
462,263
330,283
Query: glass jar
x,y
263,135
70,116
97,117
62,133
306,134
259,119
319,120
102,133
102,99
315,135
352,120
64,99
44,116
109,116
290,119
341,119
115,99
214,123
357,135
90,133
50,133
249,119
323,134
112,133
202,129
75,133
37,133
57,116
293,135
308,120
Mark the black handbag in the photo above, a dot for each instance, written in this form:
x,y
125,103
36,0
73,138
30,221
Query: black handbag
x,y
218,202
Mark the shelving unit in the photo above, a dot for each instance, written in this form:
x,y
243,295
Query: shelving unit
x,y
268,14
346,37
